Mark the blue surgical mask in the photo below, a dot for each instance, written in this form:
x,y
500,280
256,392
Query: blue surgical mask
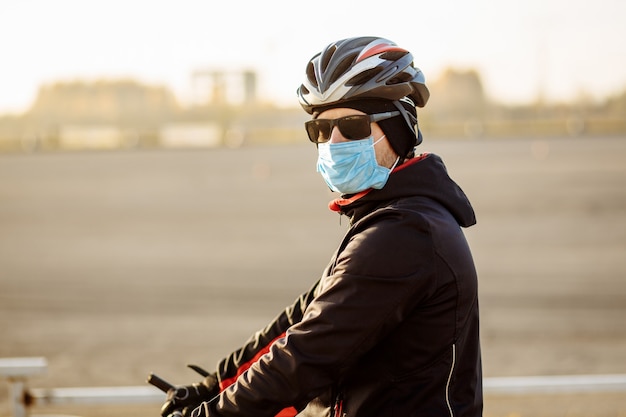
x,y
350,167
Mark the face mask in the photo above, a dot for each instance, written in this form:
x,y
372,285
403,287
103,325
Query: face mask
x,y
350,167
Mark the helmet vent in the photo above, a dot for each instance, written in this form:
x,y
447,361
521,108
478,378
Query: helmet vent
x,y
393,55
327,56
402,77
364,77
310,73
342,67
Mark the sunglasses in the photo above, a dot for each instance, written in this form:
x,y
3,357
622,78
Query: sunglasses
x,y
354,127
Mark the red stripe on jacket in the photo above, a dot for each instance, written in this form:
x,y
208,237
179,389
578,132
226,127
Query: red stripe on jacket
x,y
287,412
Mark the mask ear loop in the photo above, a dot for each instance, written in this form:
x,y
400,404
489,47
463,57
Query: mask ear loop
x,y
378,140
397,158
395,164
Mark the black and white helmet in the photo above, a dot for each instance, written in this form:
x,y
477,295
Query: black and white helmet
x,y
361,68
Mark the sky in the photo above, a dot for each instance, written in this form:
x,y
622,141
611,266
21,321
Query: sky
x,y
522,49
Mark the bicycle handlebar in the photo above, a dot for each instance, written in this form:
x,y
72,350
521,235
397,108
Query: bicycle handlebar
x,y
165,386
158,382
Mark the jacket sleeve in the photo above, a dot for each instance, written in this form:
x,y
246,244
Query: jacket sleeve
x,y
231,367
370,290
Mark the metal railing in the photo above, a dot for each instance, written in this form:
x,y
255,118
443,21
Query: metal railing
x,y
17,370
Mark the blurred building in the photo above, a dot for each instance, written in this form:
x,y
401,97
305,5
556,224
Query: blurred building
x,y
224,87
225,111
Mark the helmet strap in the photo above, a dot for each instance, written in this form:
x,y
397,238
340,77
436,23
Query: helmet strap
x,y
410,120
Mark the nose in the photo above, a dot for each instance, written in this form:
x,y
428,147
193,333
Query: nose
x,y
336,136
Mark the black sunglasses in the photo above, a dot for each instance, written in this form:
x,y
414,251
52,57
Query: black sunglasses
x,y
354,127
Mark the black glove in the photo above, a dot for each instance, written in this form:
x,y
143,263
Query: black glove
x,y
187,397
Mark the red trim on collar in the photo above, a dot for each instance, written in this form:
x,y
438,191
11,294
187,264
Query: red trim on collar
x,y
336,204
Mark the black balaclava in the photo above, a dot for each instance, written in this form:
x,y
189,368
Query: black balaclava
x,y
400,136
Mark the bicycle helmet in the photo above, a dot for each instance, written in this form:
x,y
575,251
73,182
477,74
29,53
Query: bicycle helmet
x,y
361,69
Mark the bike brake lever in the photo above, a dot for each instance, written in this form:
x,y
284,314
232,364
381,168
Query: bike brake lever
x,y
199,370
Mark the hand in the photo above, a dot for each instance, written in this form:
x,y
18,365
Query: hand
x,y
183,399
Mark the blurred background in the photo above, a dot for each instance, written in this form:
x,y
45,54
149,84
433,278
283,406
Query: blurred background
x,y
159,201
126,75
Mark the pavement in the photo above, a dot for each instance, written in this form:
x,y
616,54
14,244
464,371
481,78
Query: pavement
x,y
117,264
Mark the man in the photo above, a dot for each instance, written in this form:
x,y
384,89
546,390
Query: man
x,y
391,328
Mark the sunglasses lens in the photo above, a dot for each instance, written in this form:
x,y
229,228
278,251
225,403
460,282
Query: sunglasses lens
x,y
318,130
312,130
351,127
354,127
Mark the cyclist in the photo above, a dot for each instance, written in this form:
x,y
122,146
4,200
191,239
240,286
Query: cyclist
x,y
392,326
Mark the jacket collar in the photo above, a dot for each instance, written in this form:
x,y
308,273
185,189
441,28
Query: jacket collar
x,y
425,175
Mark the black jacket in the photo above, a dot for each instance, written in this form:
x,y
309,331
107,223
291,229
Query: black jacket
x,y
391,328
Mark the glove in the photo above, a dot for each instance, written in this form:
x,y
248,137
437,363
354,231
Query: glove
x,y
183,399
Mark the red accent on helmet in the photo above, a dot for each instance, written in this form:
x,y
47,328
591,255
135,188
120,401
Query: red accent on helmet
x,y
379,49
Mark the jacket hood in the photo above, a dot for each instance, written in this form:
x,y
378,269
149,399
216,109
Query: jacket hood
x,y
426,176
